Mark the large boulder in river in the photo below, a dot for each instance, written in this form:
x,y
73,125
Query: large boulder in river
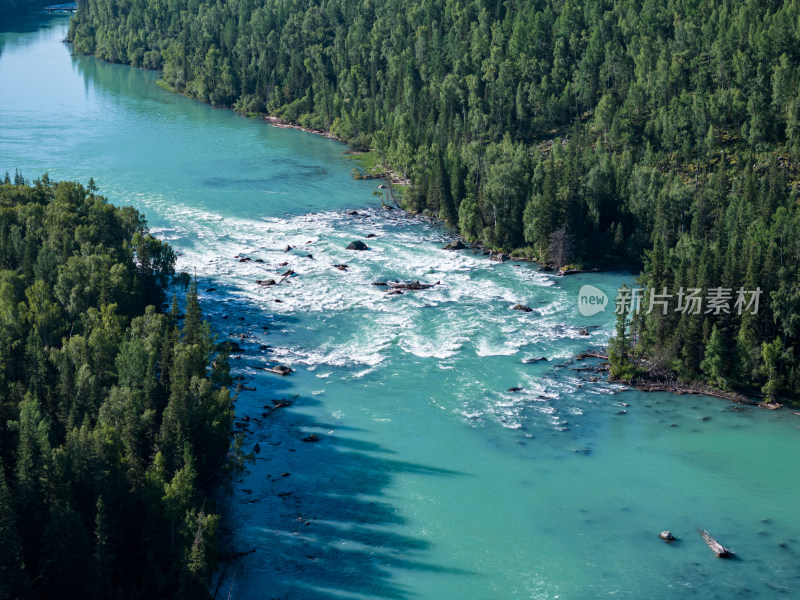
x,y
522,307
357,245
457,245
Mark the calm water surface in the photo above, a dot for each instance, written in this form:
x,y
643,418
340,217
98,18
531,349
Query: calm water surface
x,y
431,480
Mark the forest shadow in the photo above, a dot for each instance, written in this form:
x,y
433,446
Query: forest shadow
x,y
307,519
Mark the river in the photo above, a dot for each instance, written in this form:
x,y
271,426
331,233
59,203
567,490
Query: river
x,y
430,480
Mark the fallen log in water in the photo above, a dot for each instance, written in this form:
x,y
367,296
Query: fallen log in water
x,y
718,549
585,355
278,369
276,407
414,285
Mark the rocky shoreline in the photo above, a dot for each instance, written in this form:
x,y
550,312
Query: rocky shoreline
x,y
281,124
664,382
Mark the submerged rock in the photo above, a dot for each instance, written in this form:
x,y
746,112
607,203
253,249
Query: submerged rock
x,y
265,282
530,361
311,438
357,245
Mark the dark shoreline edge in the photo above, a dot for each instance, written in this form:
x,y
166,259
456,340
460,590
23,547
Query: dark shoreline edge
x,y
668,382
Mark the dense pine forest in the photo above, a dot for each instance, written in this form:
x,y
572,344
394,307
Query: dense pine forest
x,y
113,418
663,133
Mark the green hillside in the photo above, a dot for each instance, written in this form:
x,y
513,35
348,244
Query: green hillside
x,y
661,133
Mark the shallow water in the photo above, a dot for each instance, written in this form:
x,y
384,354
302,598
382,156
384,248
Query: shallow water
x,y
430,479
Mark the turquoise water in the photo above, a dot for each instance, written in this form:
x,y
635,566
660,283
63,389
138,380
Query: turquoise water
x,y
430,480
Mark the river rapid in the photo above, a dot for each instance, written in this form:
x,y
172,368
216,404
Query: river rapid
x,y
430,480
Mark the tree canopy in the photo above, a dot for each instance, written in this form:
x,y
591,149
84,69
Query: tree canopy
x,y
110,415
662,134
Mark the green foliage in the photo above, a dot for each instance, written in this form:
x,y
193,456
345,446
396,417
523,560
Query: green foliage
x,y
742,234
110,414
632,128
13,580
537,115
770,352
713,363
620,350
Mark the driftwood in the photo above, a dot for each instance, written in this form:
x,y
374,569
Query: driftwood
x,y
279,369
718,549
414,285
585,355
272,409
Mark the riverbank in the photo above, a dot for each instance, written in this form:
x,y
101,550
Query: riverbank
x,y
662,381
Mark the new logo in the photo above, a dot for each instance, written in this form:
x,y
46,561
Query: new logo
x,y
591,300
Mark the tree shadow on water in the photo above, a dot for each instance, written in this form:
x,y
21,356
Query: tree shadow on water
x,y
310,520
